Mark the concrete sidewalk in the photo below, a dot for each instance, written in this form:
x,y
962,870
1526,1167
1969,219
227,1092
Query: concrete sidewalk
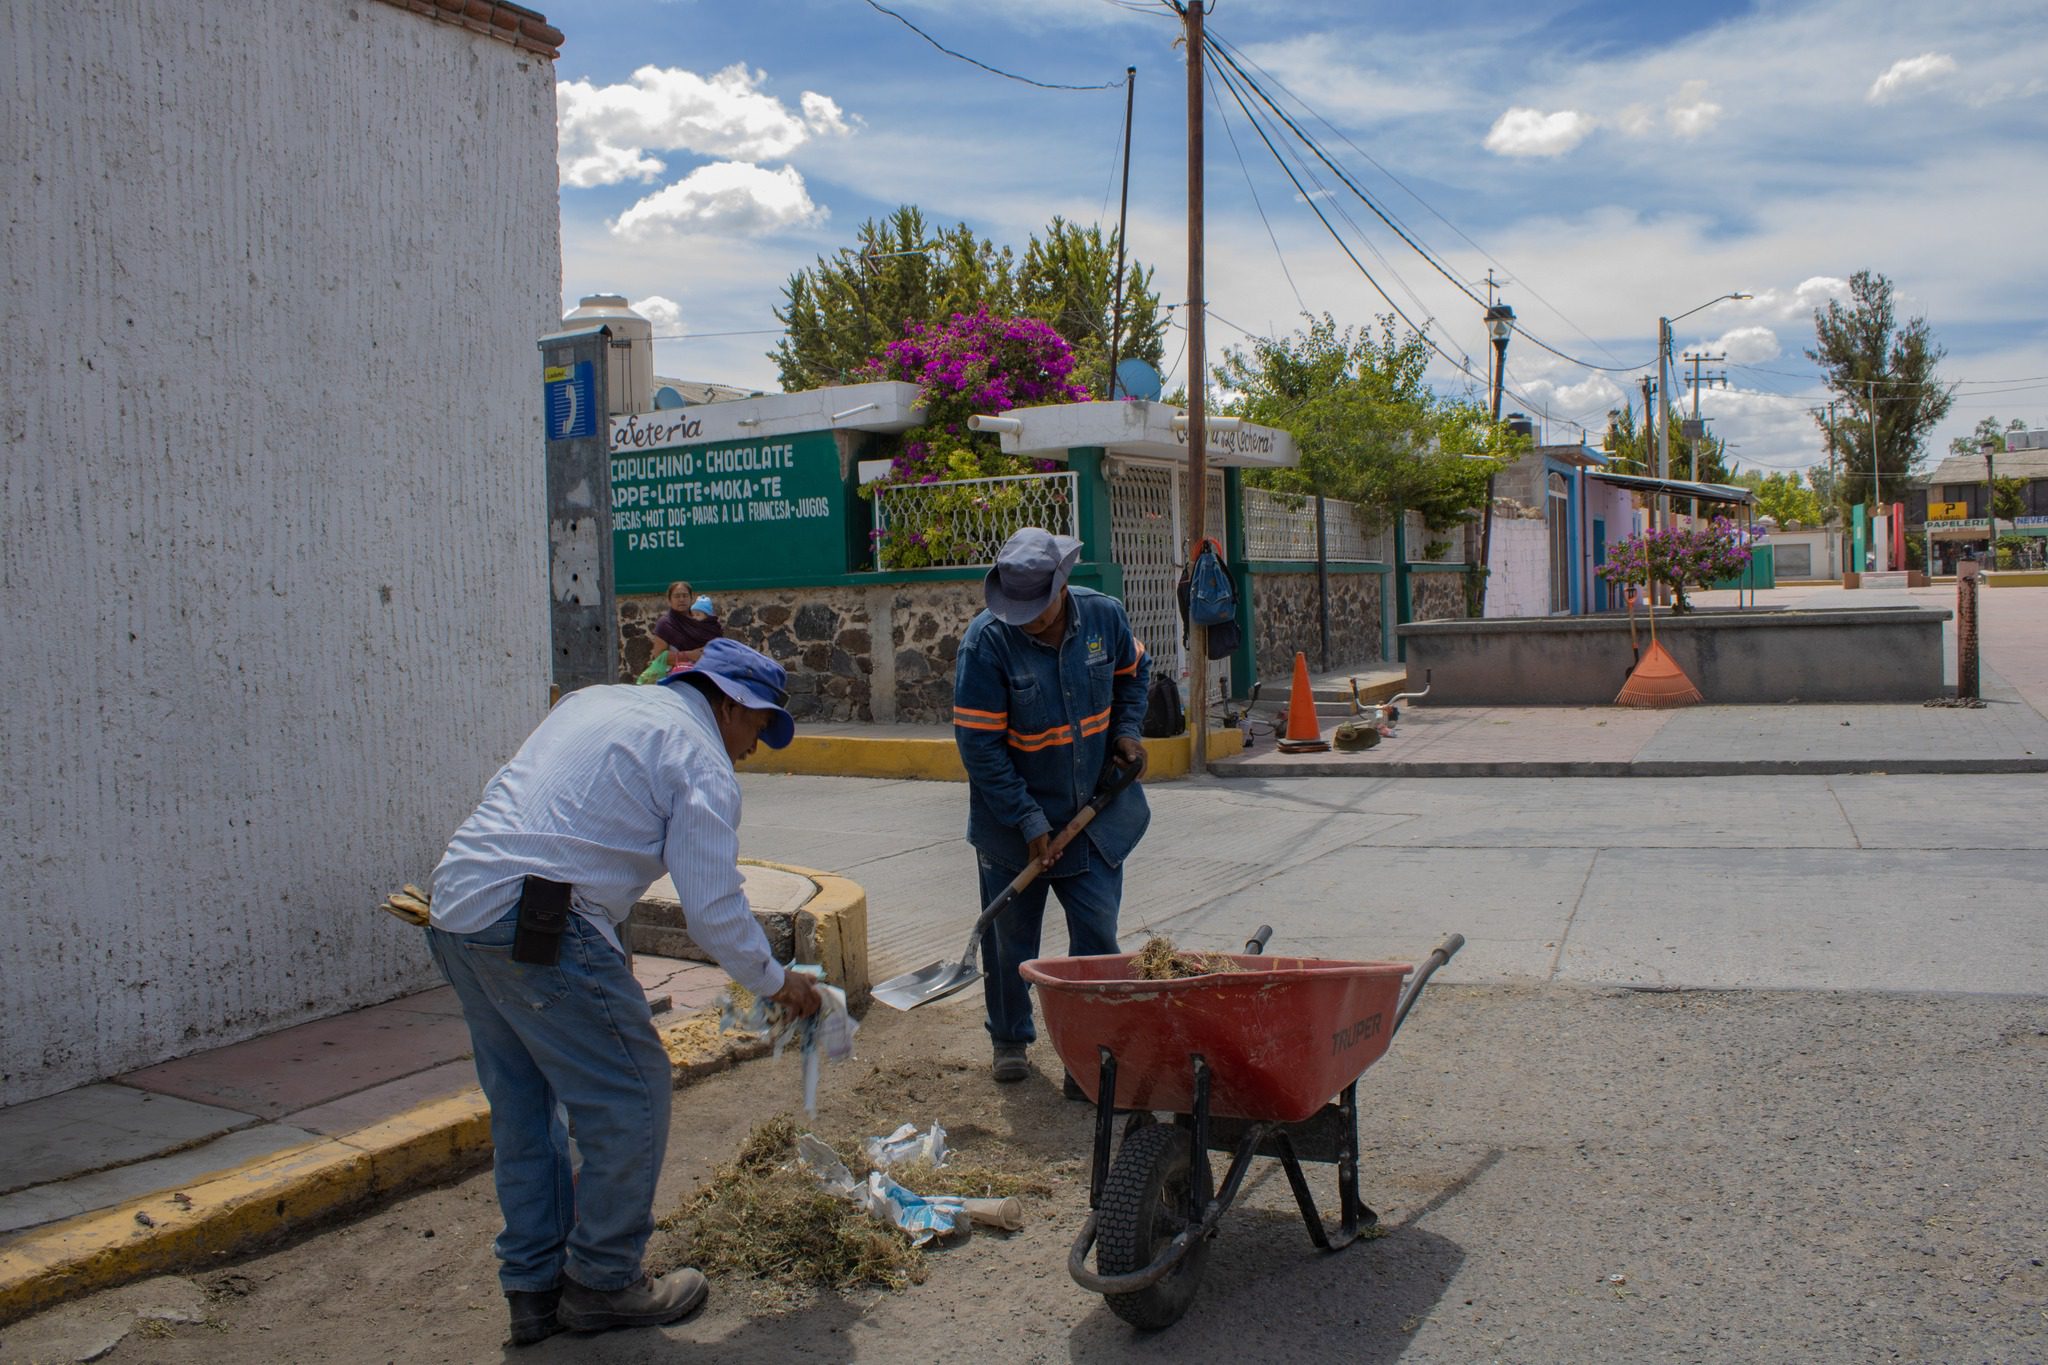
x,y
224,1149
2008,735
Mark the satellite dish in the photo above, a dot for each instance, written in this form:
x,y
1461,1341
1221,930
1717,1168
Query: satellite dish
x,y
667,397
1136,379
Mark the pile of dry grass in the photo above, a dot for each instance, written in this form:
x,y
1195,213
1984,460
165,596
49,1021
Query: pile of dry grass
x,y
1161,961
765,1218
762,1217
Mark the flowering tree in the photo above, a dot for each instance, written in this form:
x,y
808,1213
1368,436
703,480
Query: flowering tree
x,y
972,363
1680,556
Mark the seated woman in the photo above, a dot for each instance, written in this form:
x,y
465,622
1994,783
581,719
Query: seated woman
x,y
684,632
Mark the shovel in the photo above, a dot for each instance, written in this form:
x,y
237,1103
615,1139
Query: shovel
x,y
941,979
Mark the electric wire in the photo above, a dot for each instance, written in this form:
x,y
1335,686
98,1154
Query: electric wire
x,y
1410,192
1462,366
974,61
1398,230
1280,255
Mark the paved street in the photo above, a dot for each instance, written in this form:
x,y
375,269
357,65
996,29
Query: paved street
x,y
1847,883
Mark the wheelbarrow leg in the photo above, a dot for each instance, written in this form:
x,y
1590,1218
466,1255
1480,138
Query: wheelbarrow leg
x,y
1201,1179
1105,1121
1353,1215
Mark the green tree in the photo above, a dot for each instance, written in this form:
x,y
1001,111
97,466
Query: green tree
x,y
1884,371
1783,498
1990,430
2009,498
1368,426
841,311
1702,461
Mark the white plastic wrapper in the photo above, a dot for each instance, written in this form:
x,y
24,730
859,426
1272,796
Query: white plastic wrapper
x,y
830,1031
923,1218
905,1146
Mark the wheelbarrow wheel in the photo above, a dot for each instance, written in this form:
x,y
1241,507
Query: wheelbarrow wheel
x,y
1147,1200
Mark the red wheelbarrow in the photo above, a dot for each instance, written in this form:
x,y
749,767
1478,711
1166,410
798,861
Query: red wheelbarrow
x,y
1244,1062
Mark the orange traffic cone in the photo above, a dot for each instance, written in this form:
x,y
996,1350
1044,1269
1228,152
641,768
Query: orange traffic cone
x,y
1304,731
1658,681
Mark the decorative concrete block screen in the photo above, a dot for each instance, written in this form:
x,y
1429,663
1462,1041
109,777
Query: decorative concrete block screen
x,y
1282,527
961,522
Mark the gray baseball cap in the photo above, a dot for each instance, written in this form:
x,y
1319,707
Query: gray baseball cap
x,y
1031,570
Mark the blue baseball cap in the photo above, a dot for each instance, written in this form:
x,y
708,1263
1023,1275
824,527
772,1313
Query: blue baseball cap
x,y
750,678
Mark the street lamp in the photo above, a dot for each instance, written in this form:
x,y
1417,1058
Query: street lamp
x,y
1990,449
1500,325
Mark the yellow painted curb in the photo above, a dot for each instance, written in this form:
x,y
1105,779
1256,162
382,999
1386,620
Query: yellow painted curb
x,y
832,928
2015,578
239,1209
938,760
265,1200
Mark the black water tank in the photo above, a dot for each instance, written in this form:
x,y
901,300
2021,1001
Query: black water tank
x,y
1520,425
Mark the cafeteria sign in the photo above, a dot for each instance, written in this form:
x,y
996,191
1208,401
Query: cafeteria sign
x,y
729,512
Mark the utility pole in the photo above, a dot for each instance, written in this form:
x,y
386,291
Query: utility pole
x,y
1123,212
1696,432
1663,413
1198,397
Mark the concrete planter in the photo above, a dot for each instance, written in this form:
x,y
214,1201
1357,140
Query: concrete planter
x,y
1868,654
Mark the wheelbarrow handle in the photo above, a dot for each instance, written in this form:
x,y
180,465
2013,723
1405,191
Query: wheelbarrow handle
x,y
1442,953
1258,941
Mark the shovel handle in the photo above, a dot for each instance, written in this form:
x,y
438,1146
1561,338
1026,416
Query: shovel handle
x,y
1115,777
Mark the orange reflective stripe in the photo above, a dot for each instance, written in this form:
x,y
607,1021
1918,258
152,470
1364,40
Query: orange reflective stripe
x,y
1044,739
993,726
1095,725
980,715
1132,666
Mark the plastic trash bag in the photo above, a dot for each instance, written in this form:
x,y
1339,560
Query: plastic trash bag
x,y
828,1032
905,1146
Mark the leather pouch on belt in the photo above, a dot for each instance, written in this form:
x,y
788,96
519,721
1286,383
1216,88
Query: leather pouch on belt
x,y
543,917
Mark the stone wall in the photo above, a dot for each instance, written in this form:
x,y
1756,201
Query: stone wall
x,y
827,638
1438,596
1284,620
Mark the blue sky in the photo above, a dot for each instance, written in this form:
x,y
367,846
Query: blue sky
x,y
1612,161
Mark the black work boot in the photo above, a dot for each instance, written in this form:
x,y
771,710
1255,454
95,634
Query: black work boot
x,y
644,1303
533,1314
1010,1064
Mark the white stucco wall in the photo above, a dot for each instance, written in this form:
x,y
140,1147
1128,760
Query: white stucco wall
x,y
272,541
1519,557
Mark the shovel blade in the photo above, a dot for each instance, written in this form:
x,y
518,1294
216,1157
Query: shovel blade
x,y
926,984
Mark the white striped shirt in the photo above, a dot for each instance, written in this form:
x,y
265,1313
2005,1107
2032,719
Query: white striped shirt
x,y
619,784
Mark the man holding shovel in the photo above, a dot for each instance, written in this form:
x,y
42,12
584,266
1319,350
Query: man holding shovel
x,y
1048,687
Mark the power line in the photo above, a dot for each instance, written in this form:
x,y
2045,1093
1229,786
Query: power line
x,y
973,61
1462,366
1399,230
1434,212
1224,119
694,336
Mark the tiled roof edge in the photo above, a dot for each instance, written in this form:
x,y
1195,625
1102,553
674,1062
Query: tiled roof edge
x,y
523,28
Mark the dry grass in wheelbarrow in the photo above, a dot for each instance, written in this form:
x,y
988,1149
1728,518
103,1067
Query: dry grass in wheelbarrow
x,y
762,1217
1159,960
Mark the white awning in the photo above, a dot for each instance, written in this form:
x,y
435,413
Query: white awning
x,y
1146,430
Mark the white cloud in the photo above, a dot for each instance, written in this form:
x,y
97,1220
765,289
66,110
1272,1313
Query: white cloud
x,y
1690,112
1636,120
1531,132
824,116
725,196
608,132
1747,345
665,313
1928,66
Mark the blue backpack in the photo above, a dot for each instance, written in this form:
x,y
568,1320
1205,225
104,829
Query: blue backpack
x,y
1212,601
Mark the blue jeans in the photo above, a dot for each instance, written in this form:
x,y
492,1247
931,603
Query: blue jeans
x,y
575,1036
1091,900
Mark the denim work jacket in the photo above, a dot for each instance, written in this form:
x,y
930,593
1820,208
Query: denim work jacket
x,y
1035,727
